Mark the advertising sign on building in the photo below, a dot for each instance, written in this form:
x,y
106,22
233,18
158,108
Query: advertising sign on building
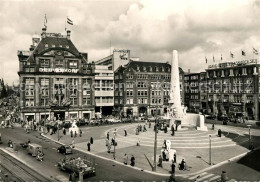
x,y
233,64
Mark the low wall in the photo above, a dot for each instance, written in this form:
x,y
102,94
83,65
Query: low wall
x,y
191,119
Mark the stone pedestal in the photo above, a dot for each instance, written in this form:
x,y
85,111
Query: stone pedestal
x,y
201,126
74,128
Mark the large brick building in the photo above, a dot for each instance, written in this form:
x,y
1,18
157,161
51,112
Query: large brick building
x,y
55,79
141,88
230,88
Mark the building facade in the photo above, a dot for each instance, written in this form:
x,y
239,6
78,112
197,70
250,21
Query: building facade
x,y
230,88
55,80
233,88
104,90
142,88
120,57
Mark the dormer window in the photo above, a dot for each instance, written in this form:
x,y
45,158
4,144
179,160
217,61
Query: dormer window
x,y
144,68
60,45
151,68
67,47
162,69
46,45
53,45
73,64
156,68
137,68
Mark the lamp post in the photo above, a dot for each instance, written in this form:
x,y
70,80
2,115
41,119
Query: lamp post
x,y
114,154
209,149
155,140
249,135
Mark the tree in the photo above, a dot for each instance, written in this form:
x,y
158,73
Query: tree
x,y
3,91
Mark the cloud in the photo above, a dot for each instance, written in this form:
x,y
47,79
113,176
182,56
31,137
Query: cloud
x,y
151,29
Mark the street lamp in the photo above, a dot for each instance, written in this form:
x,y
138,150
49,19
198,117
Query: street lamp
x,y
209,149
114,154
249,135
155,140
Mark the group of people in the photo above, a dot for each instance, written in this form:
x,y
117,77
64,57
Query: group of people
x,y
139,128
75,134
132,160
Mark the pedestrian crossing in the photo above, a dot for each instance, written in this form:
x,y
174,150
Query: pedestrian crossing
x,y
205,177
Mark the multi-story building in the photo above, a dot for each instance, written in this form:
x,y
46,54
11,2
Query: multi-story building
x,y
113,61
104,89
195,92
233,88
55,79
192,91
142,88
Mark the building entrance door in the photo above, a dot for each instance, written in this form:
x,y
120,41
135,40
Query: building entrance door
x,y
59,115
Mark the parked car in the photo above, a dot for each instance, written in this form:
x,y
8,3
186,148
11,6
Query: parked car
x,y
211,116
113,120
64,149
67,124
223,117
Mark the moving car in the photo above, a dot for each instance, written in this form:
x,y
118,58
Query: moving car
x,y
64,149
33,149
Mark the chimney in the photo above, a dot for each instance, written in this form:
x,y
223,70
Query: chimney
x,y
43,32
68,34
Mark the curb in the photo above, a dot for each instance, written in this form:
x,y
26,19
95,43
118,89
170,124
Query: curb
x,y
151,172
29,166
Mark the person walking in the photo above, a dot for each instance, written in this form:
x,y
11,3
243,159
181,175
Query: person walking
x,y
72,143
132,160
173,168
160,161
174,158
64,131
125,132
71,133
80,133
75,134
88,146
108,147
108,135
91,140
125,159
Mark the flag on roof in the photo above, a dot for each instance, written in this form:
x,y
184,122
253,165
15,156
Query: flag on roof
x,y
255,51
243,53
206,59
69,21
213,59
231,55
45,21
221,57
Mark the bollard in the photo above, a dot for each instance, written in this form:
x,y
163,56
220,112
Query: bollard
x,y
81,176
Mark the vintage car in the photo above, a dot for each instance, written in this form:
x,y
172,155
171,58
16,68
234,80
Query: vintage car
x,y
64,149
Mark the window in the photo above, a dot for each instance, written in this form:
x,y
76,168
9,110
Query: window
x,y
29,102
129,93
44,101
44,63
59,63
129,101
74,101
86,101
73,64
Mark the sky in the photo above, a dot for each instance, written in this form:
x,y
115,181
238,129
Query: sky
x,y
151,29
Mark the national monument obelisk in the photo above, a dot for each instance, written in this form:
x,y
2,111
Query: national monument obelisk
x,y
175,110
175,107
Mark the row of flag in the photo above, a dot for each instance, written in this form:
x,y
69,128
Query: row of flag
x,y
69,21
243,53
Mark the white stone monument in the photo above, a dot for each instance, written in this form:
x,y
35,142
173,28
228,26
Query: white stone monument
x,y
74,128
175,110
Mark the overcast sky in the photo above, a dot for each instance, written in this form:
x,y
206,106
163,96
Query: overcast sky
x,y
150,29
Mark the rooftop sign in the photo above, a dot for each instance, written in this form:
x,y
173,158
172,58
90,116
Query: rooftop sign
x,y
233,64
58,70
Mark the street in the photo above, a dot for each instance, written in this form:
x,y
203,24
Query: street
x,y
105,170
